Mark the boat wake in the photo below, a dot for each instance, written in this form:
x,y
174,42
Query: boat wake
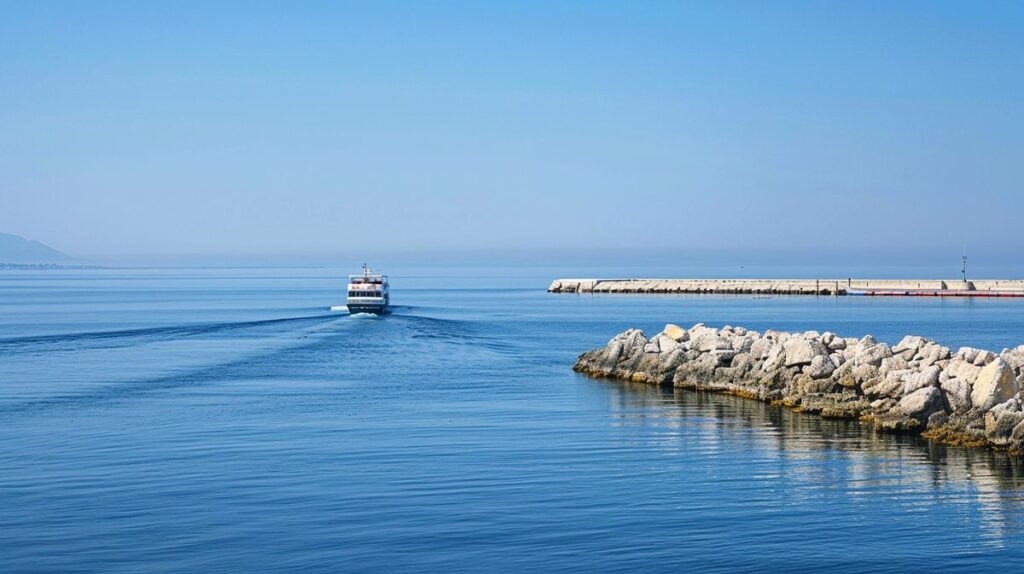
x,y
365,316
320,347
88,339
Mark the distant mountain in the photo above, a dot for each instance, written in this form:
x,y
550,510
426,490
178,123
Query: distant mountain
x,y
14,249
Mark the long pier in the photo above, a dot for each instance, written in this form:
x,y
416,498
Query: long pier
x,y
867,287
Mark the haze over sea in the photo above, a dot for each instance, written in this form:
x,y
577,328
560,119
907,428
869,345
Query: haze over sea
x,y
167,420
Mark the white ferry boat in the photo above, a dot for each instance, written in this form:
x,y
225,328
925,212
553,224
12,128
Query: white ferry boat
x,y
368,293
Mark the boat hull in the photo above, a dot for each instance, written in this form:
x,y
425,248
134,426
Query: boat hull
x,y
354,308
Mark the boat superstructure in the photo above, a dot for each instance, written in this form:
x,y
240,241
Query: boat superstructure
x,y
368,293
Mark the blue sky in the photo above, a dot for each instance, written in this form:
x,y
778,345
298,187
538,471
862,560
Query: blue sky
x,y
307,127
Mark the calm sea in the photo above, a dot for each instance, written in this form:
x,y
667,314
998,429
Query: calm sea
x,y
224,420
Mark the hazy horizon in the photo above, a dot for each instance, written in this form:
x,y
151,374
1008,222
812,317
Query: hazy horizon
x,y
868,131
595,262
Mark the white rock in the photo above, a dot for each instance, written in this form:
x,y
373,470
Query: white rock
x,y
922,403
821,366
723,356
893,363
909,343
837,344
966,353
625,344
675,332
760,348
801,351
870,353
995,384
958,394
983,358
1011,406
666,344
932,353
880,404
919,380
963,370
700,329
709,341
742,344
775,360
930,376
1000,425
888,388
1015,357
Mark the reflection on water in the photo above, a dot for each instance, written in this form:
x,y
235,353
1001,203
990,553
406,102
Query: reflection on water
x,y
813,455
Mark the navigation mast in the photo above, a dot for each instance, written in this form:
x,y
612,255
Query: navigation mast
x,y
963,265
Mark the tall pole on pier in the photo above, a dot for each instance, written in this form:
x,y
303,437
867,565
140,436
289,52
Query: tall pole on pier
x,y
963,265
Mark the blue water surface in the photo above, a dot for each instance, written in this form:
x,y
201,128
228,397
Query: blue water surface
x,y
226,420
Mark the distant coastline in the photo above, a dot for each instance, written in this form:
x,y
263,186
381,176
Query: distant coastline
x,y
45,266
17,250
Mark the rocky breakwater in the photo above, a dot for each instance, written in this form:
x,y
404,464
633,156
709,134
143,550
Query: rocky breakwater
x,y
969,397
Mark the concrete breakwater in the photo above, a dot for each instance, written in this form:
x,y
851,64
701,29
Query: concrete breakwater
x,y
981,287
969,397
